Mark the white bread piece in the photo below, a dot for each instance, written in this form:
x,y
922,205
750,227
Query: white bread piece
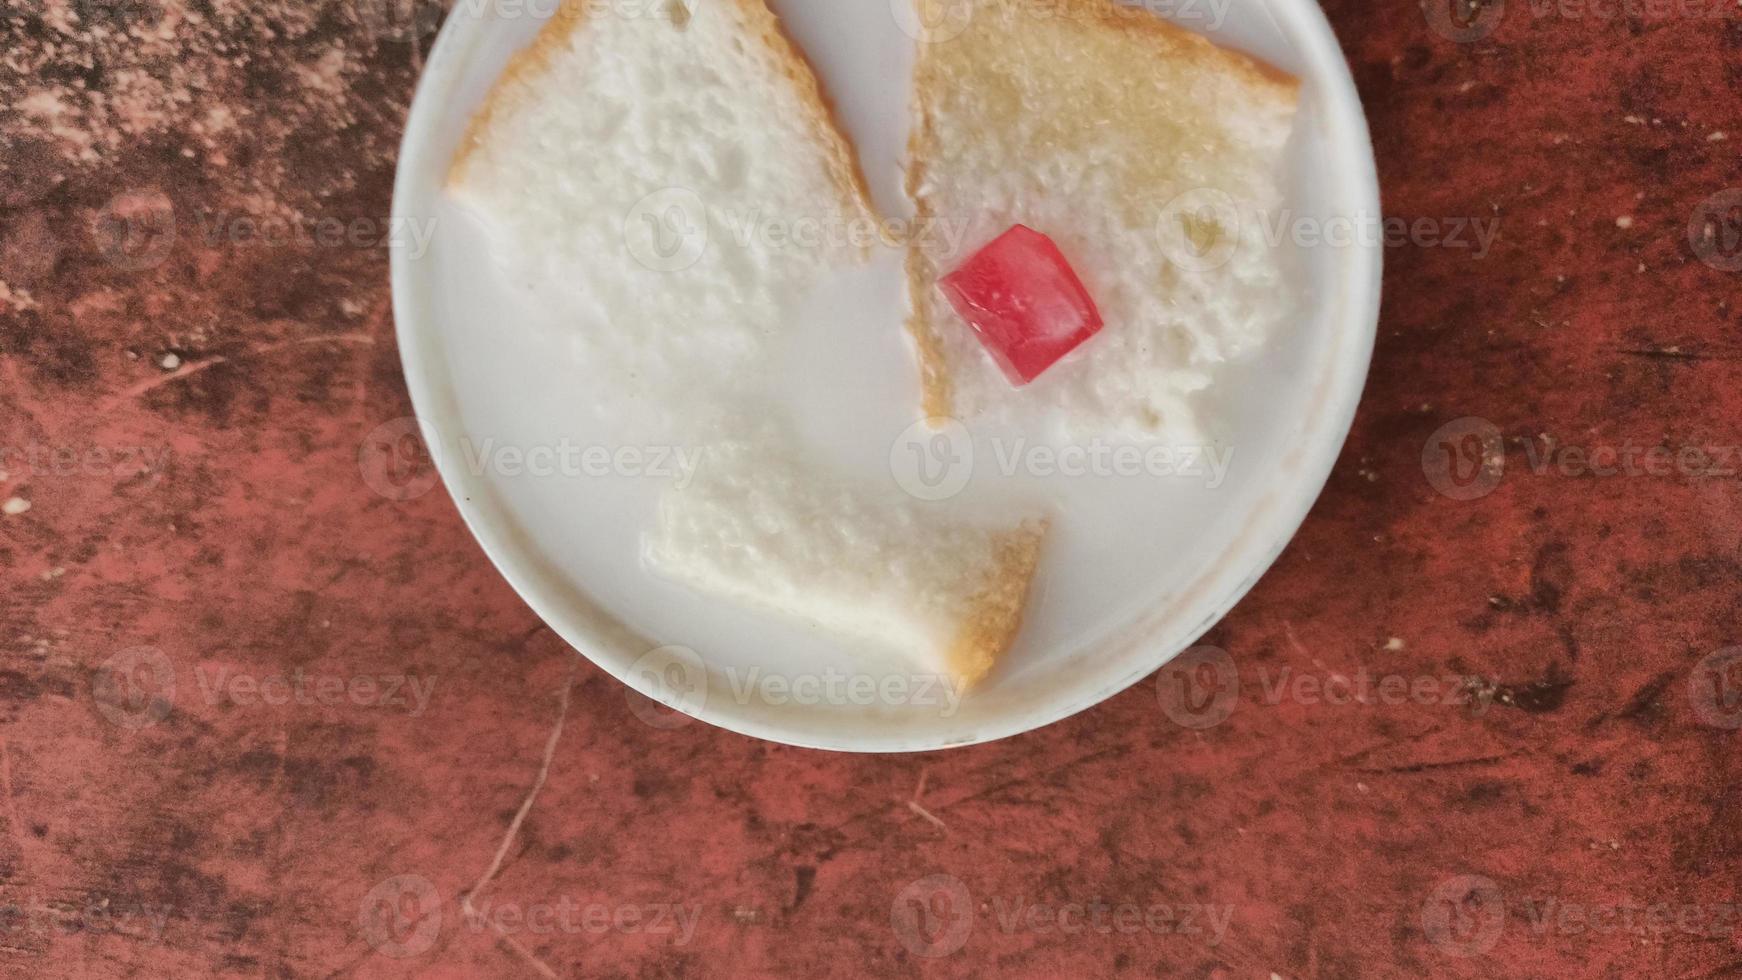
x,y
605,109
1084,119
944,595
710,108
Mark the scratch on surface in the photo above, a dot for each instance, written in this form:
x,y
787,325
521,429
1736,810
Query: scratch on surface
x,y
284,943
12,817
1116,750
1384,743
1294,641
195,367
913,804
526,954
1411,767
1678,354
556,734
927,814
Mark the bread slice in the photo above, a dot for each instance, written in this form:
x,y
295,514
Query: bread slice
x,y
610,125
943,594
675,166
721,43
1133,144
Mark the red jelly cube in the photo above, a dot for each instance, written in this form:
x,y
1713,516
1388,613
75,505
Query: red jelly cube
x,y
1024,301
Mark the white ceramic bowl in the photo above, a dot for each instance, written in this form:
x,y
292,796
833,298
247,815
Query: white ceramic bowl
x,y
1136,568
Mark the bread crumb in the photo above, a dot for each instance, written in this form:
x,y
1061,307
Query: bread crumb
x,y
14,506
1625,221
170,361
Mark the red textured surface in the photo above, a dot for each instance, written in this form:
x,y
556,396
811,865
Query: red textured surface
x,y
1588,774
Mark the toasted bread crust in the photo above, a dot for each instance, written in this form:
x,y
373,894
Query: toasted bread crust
x,y
1168,40
843,162
516,82
997,613
936,393
520,78
937,396
1175,41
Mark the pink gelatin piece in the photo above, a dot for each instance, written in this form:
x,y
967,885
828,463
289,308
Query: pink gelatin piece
x,y
1024,301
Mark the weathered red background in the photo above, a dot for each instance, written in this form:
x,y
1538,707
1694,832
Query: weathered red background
x,y
196,405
